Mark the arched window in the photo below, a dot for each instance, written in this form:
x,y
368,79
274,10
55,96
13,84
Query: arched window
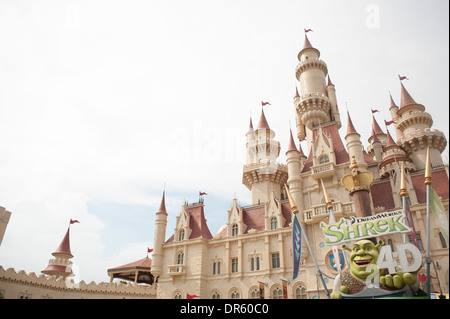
x,y
177,295
254,293
324,159
234,230
235,294
181,235
277,293
443,242
180,258
300,292
216,295
273,223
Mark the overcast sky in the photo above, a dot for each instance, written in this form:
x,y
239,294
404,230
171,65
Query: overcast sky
x,y
102,102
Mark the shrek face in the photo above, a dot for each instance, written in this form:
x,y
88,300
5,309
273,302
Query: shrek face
x,y
363,253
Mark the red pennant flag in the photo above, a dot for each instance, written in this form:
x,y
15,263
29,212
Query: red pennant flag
x,y
402,78
149,250
265,103
374,111
73,221
308,30
188,296
387,123
202,193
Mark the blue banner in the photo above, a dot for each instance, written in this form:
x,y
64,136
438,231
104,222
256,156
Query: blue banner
x,y
296,246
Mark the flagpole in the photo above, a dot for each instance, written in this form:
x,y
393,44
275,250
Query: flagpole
x,y
428,183
295,211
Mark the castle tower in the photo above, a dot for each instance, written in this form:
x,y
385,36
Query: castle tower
x,y
393,155
354,145
317,103
61,264
160,236
416,134
295,181
262,174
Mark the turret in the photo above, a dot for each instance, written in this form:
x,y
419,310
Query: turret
x,y
61,264
393,154
415,125
354,145
295,166
262,174
317,102
160,235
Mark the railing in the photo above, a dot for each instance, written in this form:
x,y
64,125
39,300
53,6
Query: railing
x,y
175,270
319,212
323,170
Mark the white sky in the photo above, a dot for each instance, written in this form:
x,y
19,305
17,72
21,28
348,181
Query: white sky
x,y
102,102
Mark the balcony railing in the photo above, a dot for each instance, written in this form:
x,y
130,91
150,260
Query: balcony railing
x,y
176,270
323,170
319,212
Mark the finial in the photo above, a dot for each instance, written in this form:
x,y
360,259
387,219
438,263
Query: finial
x,y
327,198
428,168
294,208
403,191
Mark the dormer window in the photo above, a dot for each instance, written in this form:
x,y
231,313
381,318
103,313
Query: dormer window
x,y
181,235
234,230
324,159
273,223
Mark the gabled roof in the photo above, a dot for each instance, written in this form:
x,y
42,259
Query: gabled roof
x,y
197,222
143,264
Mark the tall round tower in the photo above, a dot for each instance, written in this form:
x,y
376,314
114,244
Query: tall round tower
x,y
416,133
317,102
160,235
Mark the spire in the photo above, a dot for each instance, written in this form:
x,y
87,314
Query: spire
x,y
250,128
375,127
374,137
263,122
406,99
296,92
350,127
327,198
162,207
64,247
392,102
329,81
292,146
390,140
307,44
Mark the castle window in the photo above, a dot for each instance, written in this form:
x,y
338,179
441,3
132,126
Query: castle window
x,y
178,295
276,260
419,240
235,294
324,159
181,235
273,223
254,294
216,268
180,258
234,230
300,292
443,242
234,265
255,264
216,295
277,293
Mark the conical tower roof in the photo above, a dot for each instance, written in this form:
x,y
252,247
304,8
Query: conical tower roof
x,y
64,247
162,206
407,102
291,146
350,127
262,124
307,46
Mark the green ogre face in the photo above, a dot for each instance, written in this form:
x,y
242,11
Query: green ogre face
x,y
363,253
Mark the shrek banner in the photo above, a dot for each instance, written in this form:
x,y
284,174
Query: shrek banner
x,y
357,228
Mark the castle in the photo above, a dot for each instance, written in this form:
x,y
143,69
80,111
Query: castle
x,y
254,246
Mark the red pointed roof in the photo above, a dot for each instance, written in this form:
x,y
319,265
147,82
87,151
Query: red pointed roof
x,y
375,127
197,223
144,263
392,102
329,81
307,45
263,122
292,146
406,98
64,248
350,127
250,128
162,207
390,141
374,137
296,92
